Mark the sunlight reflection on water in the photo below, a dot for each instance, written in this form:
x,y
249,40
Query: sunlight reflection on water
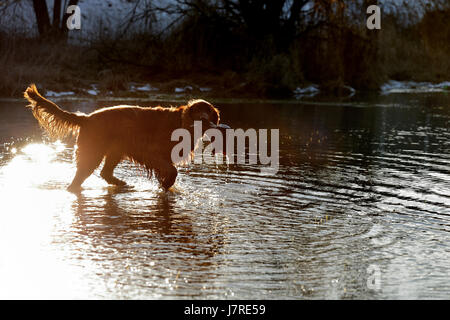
x,y
29,214
37,210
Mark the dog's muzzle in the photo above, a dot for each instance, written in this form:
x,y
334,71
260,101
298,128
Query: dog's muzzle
x,y
222,127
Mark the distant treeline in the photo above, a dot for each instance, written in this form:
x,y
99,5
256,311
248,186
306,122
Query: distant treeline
x,y
263,48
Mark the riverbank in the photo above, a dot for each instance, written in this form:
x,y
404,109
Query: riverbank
x,y
181,91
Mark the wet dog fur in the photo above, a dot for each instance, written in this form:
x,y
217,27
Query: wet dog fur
x,y
139,134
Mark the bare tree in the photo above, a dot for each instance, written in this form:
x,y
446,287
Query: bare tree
x,y
55,28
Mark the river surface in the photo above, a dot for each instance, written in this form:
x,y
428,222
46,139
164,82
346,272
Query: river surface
x,y
359,209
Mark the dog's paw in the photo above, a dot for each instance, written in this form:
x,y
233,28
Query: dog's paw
x,y
119,183
174,189
74,188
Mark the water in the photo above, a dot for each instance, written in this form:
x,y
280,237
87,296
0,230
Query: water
x,y
360,208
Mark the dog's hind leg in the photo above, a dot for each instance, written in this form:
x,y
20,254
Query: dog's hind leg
x,y
85,166
111,161
88,159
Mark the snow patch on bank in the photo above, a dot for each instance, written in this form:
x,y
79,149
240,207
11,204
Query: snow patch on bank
x,y
144,88
394,86
94,91
306,92
54,94
351,90
184,89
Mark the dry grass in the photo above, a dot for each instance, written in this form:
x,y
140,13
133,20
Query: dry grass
x,y
24,61
420,52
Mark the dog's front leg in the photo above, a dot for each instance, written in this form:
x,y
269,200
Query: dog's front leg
x,y
166,173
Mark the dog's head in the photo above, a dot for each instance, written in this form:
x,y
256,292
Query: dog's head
x,y
200,110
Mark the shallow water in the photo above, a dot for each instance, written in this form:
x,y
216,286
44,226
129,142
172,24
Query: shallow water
x,y
362,193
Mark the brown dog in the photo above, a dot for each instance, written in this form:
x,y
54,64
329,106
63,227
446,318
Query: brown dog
x,y
142,135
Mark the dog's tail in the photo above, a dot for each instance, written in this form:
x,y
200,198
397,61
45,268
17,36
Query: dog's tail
x,y
57,122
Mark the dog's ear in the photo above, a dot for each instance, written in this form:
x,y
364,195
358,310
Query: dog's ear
x,y
202,110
